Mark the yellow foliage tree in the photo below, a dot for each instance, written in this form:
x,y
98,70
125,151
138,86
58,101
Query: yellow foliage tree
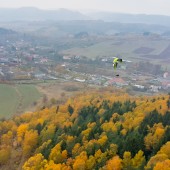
x,y
36,162
90,164
97,154
113,150
47,133
30,142
114,164
164,165
86,132
155,159
52,166
5,153
127,161
79,164
76,149
103,140
43,146
153,138
165,149
56,154
139,160
64,154
109,126
21,132
6,139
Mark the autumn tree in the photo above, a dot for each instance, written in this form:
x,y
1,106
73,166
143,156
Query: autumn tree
x,y
80,161
155,159
164,165
114,164
36,162
6,139
138,161
127,161
5,153
56,154
51,165
91,162
154,136
21,132
30,142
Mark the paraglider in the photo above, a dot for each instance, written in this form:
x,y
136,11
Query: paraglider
x,y
115,63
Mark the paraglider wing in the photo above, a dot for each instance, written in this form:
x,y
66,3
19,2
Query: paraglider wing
x,y
115,63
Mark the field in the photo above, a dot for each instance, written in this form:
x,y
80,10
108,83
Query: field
x,y
28,95
124,46
17,99
9,100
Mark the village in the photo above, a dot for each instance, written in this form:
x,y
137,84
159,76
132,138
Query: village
x,y
21,62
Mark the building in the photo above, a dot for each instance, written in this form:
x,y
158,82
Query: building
x,y
117,81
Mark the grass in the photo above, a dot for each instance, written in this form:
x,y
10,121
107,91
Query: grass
x,y
29,94
124,47
14,99
9,100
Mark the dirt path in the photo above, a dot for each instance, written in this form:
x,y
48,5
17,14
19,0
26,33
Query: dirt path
x,y
19,107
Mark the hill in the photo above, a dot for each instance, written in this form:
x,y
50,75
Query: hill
x,y
34,14
131,18
4,31
95,130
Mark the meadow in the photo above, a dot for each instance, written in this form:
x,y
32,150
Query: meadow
x,y
17,99
125,46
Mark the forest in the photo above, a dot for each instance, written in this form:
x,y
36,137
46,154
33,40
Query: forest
x,y
97,130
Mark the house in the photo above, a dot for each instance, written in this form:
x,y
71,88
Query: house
x,y
80,80
66,57
104,59
44,60
117,81
166,85
154,88
166,75
139,86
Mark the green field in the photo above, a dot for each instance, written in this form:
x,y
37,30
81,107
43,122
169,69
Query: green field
x,y
9,100
16,99
123,46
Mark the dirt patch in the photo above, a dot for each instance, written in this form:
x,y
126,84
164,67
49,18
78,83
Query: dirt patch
x,y
59,91
165,54
143,50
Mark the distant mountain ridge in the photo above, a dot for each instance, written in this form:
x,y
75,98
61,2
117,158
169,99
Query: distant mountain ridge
x,y
35,14
131,18
4,31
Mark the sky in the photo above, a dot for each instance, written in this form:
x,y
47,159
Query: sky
x,y
161,7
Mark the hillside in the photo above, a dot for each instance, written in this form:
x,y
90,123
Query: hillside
x,y
4,31
131,18
99,129
35,14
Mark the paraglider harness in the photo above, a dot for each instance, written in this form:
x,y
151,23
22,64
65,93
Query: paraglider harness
x,y
115,63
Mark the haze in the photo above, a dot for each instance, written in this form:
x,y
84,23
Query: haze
x,y
161,7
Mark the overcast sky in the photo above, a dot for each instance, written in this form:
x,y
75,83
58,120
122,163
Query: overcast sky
x,y
125,6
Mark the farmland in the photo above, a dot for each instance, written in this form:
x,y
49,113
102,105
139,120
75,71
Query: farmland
x,y
23,98
131,47
9,100
16,99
